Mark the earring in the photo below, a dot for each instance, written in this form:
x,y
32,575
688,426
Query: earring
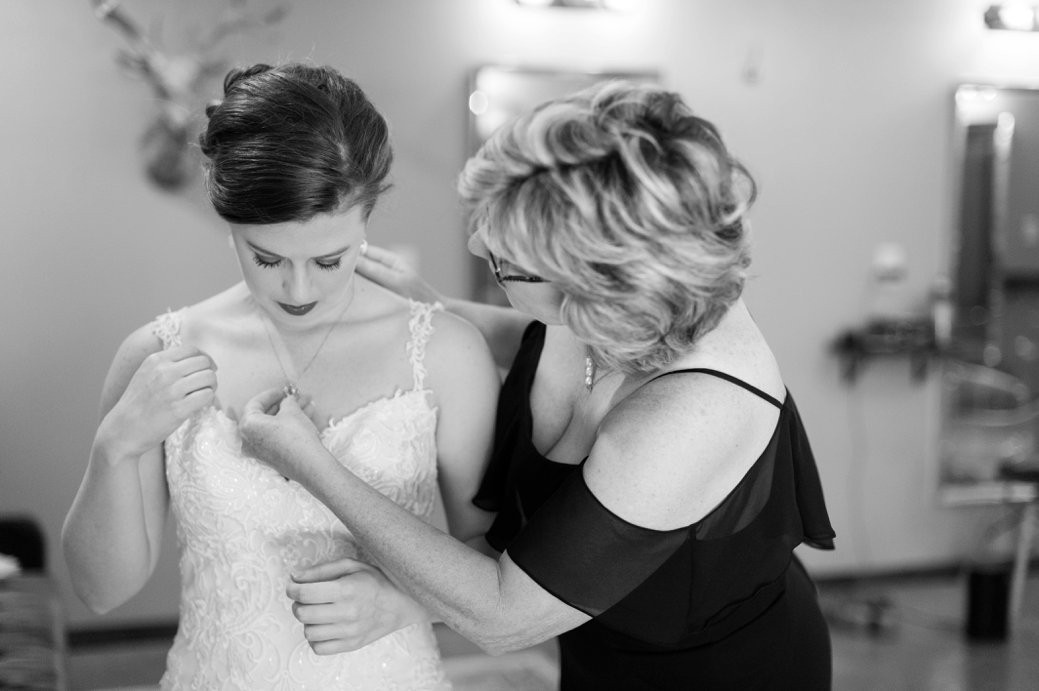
x,y
589,372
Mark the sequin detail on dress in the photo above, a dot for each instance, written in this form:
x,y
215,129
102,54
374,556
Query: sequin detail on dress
x,y
242,529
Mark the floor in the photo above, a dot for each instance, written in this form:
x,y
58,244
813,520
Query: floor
x,y
891,635
137,667
918,642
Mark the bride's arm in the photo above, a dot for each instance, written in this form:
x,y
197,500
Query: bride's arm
x,y
462,376
501,327
112,533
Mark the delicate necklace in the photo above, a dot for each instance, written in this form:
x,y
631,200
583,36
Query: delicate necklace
x,y
291,387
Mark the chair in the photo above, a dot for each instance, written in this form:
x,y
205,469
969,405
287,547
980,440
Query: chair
x,y
1026,473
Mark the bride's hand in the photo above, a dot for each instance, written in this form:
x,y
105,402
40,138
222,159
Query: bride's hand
x,y
168,387
347,604
276,430
389,270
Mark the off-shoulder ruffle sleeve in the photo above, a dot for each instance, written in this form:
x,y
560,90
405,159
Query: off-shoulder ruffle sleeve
x,y
584,554
719,573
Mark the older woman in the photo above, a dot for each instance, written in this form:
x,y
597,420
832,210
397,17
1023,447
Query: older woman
x,y
651,474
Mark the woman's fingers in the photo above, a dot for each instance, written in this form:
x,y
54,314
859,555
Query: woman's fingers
x,y
306,404
316,633
196,381
180,353
196,400
290,406
321,593
194,363
381,256
334,647
337,588
185,369
329,570
378,273
263,403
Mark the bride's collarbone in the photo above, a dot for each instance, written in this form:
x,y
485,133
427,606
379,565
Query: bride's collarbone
x,y
338,383
360,362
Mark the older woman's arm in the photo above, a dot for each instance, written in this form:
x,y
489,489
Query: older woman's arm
x,y
607,527
491,602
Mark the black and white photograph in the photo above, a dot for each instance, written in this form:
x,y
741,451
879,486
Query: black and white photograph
x,y
519,345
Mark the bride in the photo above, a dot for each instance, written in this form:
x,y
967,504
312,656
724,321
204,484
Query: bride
x,y
404,395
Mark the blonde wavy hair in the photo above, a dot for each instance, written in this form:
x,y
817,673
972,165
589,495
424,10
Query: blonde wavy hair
x,y
631,205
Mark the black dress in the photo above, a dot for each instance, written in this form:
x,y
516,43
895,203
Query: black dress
x,y
720,604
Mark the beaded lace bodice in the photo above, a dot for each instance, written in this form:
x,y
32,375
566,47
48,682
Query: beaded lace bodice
x,y
243,528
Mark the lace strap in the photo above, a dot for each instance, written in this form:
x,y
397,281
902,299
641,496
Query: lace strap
x,y
421,328
167,328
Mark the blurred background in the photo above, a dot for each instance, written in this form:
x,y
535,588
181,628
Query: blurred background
x,y
845,111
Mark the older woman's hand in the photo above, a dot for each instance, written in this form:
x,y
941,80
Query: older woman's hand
x,y
391,271
276,430
347,604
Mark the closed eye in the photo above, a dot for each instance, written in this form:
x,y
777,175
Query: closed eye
x,y
268,262
264,262
330,265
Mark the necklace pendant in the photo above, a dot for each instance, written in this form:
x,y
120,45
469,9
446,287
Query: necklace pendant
x,y
290,390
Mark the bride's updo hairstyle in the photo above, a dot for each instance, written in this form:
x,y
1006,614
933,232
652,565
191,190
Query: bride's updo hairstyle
x,y
630,205
290,142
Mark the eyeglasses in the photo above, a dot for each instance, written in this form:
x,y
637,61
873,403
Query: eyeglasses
x,y
501,278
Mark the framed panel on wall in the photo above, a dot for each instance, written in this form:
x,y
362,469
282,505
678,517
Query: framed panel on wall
x,y
989,422
498,94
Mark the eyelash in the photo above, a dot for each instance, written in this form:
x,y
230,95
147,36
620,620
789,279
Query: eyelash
x,y
263,264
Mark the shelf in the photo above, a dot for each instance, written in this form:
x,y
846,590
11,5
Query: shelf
x,y
912,339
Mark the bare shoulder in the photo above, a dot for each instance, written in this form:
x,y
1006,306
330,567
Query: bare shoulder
x,y
449,327
672,450
463,380
456,344
141,343
669,413
218,313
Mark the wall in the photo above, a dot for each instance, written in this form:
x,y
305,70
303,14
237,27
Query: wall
x,y
842,109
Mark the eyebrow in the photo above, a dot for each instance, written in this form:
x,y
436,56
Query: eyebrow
x,y
257,248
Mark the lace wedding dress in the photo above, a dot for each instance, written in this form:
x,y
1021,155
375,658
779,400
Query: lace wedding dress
x,y
243,528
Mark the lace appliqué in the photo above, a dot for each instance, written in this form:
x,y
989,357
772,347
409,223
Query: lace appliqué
x,y
242,530
167,328
421,328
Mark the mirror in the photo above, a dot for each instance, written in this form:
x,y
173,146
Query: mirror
x,y
498,94
996,263
991,383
